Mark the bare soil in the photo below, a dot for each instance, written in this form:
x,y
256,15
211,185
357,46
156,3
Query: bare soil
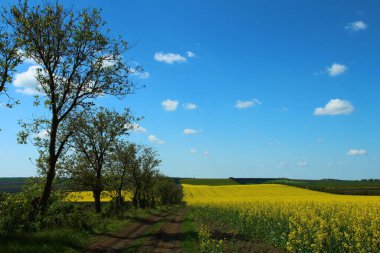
x,y
165,239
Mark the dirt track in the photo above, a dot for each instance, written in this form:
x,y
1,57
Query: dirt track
x,y
164,239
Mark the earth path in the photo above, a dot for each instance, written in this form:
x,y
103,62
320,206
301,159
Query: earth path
x,y
164,239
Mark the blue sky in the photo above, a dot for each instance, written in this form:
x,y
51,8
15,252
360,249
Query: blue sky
x,y
261,88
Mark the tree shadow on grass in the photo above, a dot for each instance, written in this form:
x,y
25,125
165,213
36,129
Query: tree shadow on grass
x,y
44,242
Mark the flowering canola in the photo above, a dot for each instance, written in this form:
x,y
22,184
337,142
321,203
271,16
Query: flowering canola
x,y
87,196
297,220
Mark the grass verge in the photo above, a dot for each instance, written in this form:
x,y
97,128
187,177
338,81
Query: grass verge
x,y
189,242
51,241
70,240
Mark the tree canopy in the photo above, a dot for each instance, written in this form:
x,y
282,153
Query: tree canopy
x,y
77,61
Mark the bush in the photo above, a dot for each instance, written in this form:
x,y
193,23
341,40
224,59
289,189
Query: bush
x,y
169,192
18,213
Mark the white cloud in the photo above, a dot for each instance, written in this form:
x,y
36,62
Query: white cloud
x,y
44,134
108,61
303,163
354,152
26,82
246,104
142,75
188,131
169,105
168,58
335,107
190,54
356,26
138,129
190,106
193,150
206,153
154,139
336,69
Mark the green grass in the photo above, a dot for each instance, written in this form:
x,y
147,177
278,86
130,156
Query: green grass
x,y
51,241
70,240
113,224
110,225
208,181
189,242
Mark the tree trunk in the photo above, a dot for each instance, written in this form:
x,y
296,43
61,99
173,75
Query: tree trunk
x,y
98,205
52,164
119,201
47,189
98,187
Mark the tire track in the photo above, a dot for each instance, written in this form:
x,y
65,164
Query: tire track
x,y
119,242
168,238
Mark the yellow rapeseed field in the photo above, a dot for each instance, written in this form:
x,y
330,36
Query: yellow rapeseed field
x,y
291,218
86,196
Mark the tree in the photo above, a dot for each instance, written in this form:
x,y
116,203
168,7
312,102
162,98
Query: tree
x,y
93,142
9,60
77,61
149,174
142,172
120,167
167,191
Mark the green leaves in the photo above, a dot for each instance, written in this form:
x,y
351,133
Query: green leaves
x,y
71,49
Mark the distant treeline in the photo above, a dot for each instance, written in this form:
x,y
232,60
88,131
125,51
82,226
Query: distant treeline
x,y
12,185
345,187
15,184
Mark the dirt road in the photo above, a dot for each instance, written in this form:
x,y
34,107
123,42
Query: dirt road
x,y
156,233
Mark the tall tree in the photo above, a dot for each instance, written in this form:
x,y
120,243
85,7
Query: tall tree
x,y
93,142
77,61
9,59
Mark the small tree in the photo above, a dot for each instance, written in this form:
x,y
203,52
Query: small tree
x,y
77,62
149,169
167,191
120,167
142,172
93,141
